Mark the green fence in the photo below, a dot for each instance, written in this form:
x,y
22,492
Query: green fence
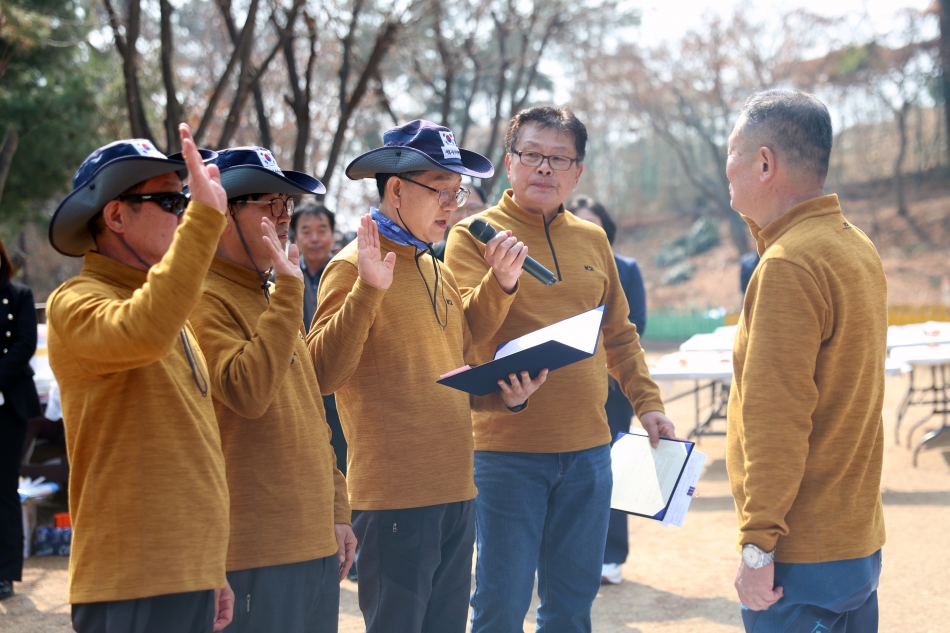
x,y
682,323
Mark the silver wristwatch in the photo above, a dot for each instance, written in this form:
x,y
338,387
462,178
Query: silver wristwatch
x,y
755,558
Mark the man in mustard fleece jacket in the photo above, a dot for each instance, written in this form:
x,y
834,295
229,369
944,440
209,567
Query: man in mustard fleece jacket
x,y
805,436
554,519
147,490
291,541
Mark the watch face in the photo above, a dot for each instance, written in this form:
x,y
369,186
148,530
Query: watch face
x,y
750,556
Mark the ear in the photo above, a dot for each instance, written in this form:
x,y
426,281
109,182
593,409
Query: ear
x,y
580,170
768,164
116,216
508,164
394,189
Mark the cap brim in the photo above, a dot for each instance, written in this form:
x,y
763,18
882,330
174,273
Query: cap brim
x,y
69,227
242,180
398,160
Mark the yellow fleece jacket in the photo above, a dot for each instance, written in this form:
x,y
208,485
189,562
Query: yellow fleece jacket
x,y
286,492
382,351
567,412
148,496
805,435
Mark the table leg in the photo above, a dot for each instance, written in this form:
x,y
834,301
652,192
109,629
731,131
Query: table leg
x,y
902,409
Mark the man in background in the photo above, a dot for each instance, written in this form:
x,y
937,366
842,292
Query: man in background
x,y
805,440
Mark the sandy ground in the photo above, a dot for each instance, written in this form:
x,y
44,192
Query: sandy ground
x,y
680,580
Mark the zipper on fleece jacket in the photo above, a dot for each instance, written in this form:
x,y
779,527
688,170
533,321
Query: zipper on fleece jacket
x,y
551,244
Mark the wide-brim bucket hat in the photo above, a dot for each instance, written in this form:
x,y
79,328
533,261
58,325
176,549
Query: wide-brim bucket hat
x,y
102,177
419,145
247,170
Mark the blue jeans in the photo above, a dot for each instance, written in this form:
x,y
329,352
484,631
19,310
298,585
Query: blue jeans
x,y
546,512
833,597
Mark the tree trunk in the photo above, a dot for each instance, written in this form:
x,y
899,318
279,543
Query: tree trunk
x,y
384,41
10,141
945,65
263,123
900,116
173,110
138,123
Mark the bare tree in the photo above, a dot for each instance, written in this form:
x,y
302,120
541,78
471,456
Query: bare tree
x,y
7,149
945,67
126,42
301,93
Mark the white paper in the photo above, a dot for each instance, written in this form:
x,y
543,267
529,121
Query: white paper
x,y
645,477
676,513
579,332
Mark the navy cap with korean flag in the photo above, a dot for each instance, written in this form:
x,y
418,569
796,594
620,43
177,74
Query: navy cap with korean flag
x,y
102,177
419,146
247,170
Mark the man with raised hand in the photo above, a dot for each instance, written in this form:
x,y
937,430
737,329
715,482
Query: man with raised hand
x,y
390,321
148,496
291,542
554,518
805,440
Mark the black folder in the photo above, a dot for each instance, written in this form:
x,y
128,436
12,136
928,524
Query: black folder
x,y
552,354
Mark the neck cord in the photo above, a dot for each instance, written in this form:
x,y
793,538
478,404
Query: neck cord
x,y
196,372
433,293
264,278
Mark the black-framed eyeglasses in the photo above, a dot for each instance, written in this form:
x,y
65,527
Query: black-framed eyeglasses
x,y
534,159
173,202
278,206
445,195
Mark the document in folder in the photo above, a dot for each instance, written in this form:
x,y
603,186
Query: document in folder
x,y
551,347
647,479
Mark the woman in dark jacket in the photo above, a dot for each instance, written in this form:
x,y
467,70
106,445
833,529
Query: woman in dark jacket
x,y
20,403
619,409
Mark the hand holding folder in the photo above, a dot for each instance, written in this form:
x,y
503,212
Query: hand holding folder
x,y
551,347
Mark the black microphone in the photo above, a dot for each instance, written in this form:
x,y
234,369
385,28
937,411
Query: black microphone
x,y
483,231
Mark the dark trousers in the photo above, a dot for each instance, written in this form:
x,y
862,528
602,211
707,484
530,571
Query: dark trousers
x,y
12,434
416,567
191,612
619,415
293,598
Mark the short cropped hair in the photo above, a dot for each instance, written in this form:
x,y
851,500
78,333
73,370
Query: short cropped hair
x,y
598,209
382,179
561,119
97,223
795,125
312,208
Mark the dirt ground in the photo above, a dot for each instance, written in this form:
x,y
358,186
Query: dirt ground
x,y
679,580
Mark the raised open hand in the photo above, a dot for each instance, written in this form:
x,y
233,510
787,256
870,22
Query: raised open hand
x,y
372,268
204,181
284,264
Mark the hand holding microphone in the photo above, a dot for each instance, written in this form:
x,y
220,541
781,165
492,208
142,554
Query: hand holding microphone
x,y
509,260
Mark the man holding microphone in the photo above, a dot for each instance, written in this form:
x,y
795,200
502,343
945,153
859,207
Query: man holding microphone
x,y
545,483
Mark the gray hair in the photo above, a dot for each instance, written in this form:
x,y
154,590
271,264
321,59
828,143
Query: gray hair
x,y
793,124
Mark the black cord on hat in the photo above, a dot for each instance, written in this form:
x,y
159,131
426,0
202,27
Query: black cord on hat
x,y
434,293
265,286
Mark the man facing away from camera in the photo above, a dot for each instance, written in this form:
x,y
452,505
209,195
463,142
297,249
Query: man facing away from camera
x,y
805,435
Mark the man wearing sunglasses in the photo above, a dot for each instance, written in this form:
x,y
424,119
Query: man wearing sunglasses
x,y
291,542
389,322
148,496
555,520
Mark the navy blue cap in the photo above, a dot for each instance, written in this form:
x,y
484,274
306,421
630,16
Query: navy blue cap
x,y
246,170
105,174
419,146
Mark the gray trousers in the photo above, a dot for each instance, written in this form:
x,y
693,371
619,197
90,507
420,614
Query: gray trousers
x,y
416,567
294,598
191,612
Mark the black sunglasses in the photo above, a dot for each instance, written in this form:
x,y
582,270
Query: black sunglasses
x,y
173,202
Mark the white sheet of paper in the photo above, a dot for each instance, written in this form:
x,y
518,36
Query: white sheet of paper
x,y
579,332
644,477
676,513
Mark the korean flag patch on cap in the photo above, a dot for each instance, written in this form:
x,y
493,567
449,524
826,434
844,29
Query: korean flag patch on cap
x,y
267,160
144,148
449,148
